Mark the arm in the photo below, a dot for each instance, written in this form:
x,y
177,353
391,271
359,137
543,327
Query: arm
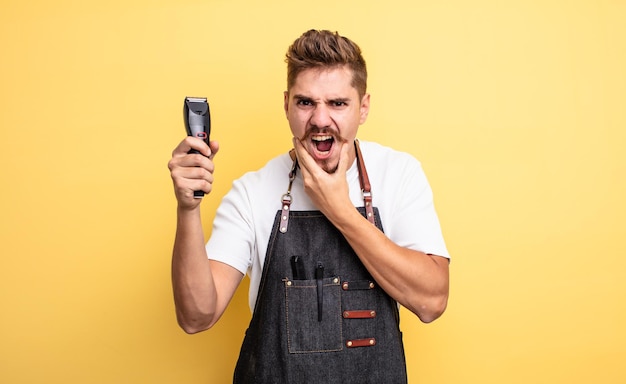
x,y
416,280
202,288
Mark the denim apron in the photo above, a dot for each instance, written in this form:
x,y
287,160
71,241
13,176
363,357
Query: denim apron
x,y
320,317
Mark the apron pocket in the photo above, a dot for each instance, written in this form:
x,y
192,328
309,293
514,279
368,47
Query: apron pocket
x,y
305,332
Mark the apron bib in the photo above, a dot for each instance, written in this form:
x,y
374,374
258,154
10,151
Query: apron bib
x,y
320,317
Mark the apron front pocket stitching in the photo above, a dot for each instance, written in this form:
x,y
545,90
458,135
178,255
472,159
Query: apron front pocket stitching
x,y
305,334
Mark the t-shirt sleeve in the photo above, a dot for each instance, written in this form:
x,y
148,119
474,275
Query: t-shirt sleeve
x,y
416,224
232,236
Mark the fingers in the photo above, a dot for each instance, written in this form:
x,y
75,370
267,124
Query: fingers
x,y
190,179
194,143
200,152
192,171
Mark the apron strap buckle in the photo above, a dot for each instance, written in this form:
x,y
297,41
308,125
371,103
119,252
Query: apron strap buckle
x,y
284,214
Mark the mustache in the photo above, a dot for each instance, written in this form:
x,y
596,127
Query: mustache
x,y
313,130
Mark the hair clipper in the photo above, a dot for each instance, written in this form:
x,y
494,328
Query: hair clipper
x,y
197,117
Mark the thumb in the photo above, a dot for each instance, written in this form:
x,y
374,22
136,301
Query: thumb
x,y
344,158
214,146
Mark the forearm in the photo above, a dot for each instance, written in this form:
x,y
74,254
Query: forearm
x,y
416,280
195,295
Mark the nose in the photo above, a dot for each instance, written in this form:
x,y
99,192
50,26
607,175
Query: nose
x,y
321,117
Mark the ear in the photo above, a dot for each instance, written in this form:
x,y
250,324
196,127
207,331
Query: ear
x,y
365,108
286,102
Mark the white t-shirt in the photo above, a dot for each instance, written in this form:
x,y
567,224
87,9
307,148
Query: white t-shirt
x,y
400,190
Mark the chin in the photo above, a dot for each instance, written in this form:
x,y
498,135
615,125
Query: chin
x,y
329,166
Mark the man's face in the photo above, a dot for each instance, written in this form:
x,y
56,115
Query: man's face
x,y
324,110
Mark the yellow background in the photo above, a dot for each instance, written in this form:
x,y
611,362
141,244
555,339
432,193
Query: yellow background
x,y
515,108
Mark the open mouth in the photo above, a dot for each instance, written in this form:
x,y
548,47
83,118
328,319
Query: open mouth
x,y
321,146
323,143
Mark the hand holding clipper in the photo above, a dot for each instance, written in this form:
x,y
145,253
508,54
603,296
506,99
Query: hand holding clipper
x,y
197,117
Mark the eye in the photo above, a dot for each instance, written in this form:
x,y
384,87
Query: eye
x,y
338,103
304,102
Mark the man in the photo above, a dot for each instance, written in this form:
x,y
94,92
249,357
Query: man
x,y
325,278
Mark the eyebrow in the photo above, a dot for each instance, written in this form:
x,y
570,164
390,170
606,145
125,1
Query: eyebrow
x,y
340,100
336,100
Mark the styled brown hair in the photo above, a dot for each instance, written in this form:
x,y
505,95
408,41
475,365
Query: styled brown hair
x,y
326,49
